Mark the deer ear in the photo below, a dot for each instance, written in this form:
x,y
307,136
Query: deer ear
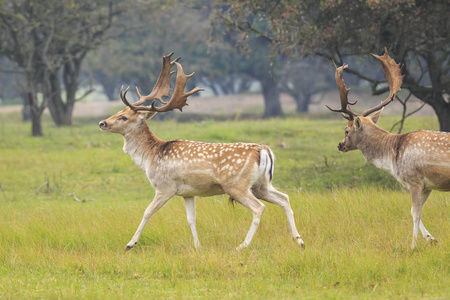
x,y
357,123
147,115
374,117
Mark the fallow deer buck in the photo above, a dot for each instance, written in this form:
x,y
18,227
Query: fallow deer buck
x,y
188,169
420,160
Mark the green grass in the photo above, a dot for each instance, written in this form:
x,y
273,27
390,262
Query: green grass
x,y
354,219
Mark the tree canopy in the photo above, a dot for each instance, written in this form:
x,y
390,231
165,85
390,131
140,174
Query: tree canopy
x,y
229,45
48,41
415,32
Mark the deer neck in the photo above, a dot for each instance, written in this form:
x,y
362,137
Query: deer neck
x,y
378,147
141,144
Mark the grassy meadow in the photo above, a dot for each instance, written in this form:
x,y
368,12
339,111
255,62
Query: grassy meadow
x,y
354,219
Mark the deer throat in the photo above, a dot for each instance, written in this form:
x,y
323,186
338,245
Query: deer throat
x,y
379,151
141,148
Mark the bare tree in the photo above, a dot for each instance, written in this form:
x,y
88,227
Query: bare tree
x,y
45,38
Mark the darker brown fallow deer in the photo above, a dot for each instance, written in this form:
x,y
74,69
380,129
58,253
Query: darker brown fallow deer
x,y
420,160
184,168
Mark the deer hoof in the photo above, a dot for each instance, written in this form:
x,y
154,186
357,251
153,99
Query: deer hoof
x,y
240,247
128,247
300,242
433,241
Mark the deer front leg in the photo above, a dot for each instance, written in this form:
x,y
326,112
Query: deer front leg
x,y
419,197
189,202
155,205
426,235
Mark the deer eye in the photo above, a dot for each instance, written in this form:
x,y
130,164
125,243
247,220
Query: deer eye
x,y
123,118
346,132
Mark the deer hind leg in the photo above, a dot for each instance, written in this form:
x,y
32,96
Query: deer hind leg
x,y
271,195
419,197
189,202
256,207
155,205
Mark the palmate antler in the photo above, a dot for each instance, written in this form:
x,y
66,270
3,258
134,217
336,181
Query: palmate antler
x,y
394,79
162,89
343,94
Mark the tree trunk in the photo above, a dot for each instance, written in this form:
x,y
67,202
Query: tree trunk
x,y
56,106
36,125
302,100
442,110
70,78
434,97
32,102
62,112
444,119
272,104
35,111
26,109
108,84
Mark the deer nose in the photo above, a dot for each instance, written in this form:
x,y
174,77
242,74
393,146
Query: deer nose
x,y
340,146
102,124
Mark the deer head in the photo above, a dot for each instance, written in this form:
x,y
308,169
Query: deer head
x,y
134,115
359,125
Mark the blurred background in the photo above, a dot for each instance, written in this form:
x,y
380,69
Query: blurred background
x,y
255,59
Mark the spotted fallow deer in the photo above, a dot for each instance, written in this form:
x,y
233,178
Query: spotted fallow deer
x,y
185,168
420,160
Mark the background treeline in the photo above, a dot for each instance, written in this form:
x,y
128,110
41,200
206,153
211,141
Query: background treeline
x,y
54,53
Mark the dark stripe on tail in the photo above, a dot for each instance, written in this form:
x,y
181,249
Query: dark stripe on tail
x,y
271,164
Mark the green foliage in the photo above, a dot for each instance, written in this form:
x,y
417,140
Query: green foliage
x,y
414,32
354,219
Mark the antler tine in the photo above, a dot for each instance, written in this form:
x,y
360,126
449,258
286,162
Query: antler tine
x,y
162,86
179,97
394,79
343,94
124,98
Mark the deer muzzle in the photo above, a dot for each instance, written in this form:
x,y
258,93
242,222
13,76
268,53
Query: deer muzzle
x,y
102,124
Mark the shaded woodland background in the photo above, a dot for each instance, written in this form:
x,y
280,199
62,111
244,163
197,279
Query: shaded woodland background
x,y
55,53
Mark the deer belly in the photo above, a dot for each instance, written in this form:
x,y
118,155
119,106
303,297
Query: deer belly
x,y
437,176
199,185
202,190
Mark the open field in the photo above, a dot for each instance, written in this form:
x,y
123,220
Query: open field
x,y
354,219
